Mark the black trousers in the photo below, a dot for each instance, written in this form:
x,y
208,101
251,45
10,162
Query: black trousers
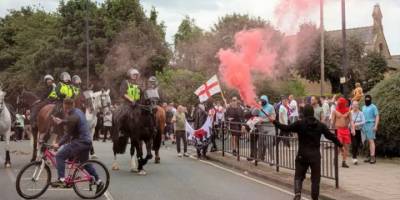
x,y
302,165
106,130
355,143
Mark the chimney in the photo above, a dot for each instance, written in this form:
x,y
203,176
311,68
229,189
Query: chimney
x,y
377,16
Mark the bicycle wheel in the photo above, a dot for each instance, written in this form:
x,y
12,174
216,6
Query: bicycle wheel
x,y
88,189
33,180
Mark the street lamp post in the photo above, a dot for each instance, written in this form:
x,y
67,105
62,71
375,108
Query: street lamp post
x,y
87,44
344,80
322,29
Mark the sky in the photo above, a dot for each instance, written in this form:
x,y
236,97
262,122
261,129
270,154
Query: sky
x,y
207,12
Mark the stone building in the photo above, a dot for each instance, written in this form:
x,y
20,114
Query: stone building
x,y
374,40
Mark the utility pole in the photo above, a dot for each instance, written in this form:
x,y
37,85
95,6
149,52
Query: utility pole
x,y
344,80
322,29
87,43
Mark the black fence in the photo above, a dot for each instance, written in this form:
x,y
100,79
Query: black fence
x,y
263,144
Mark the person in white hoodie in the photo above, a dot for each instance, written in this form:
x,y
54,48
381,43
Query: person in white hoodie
x,y
294,109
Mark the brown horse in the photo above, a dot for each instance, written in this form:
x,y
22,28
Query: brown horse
x,y
160,124
44,124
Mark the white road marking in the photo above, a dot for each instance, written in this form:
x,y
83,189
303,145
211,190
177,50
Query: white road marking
x,y
108,195
246,177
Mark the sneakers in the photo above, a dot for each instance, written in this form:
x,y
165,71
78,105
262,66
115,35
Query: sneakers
x,y
373,160
186,154
355,161
58,184
368,159
179,155
344,165
100,186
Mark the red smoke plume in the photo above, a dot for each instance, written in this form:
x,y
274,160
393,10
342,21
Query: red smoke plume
x,y
251,54
290,12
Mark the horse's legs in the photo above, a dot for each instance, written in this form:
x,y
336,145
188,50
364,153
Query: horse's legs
x,y
7,163
139,155
149,155
35,133
134,161
115,165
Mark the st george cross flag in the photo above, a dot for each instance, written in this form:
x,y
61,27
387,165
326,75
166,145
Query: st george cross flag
x,y
208,89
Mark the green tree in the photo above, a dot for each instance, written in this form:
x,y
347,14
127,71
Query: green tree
x,y
307,63
373,73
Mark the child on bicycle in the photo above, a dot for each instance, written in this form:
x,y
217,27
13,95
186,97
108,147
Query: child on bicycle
x,y
76,143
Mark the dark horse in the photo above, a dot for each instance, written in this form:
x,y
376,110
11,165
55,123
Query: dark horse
x,y
160,119
135,123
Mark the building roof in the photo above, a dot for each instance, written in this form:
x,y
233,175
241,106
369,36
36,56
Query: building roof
x,y
366,34
394,62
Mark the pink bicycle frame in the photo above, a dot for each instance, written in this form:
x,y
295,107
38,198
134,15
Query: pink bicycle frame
x,y
71,166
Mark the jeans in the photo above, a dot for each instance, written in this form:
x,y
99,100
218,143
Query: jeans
x,y
105,130
355,143
75,149
181,134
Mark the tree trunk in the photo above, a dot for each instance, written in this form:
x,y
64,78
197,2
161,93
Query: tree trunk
x,y
335,84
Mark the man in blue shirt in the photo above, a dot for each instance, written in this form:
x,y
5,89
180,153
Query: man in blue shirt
x,y
371,115
266,128
76,143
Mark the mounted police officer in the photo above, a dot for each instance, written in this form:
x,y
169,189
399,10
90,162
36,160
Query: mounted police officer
x,y
64,90
151,93
129,89
76,85
48,95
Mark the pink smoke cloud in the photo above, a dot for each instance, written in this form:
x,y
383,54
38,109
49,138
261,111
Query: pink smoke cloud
x,y
251,54
288,13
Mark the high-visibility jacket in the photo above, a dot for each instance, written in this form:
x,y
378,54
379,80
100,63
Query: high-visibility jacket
x,y
53,93
65,91
76,90
133,91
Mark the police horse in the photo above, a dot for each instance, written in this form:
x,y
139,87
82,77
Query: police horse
x,y
5,126
134,123
95,102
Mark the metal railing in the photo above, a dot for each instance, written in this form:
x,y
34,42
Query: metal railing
x,y
263,144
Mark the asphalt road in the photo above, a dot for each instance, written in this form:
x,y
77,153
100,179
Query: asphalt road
x,y
174,179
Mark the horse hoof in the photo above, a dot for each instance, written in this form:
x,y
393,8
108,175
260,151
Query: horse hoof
x,y
134,170
8,165
94,157
157,160
142,172
149,157
115,167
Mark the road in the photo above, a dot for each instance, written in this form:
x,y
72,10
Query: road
x,y
174,179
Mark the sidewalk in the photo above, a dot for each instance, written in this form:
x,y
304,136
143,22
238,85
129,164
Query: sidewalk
x,y
365,181
380,181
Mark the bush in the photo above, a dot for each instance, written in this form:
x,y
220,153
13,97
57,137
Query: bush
x,y
385,95
294,87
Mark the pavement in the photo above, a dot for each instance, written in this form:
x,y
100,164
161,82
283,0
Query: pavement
x,y
174,179
364,181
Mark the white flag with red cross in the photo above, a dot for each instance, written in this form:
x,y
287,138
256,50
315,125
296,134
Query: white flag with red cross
x,y
208,89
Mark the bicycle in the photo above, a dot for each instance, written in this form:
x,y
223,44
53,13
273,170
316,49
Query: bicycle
x,y
77,177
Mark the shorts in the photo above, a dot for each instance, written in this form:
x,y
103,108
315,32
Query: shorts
x,y
343,135
368,130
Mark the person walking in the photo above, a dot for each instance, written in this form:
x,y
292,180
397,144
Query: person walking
x,y
317,108
179,119
357,122
371,115
325,110
28,127
107,124
294,109
284,119
19,126
234,115
341,119
357,93
309,132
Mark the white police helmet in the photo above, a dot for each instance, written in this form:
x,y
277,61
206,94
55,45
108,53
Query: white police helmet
x,y
65,77
48,77
132,71
76,79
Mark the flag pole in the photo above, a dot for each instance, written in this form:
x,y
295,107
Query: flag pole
x,y
222,93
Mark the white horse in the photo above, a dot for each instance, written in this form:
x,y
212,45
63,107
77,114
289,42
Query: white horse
x,y
5,126
96,102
